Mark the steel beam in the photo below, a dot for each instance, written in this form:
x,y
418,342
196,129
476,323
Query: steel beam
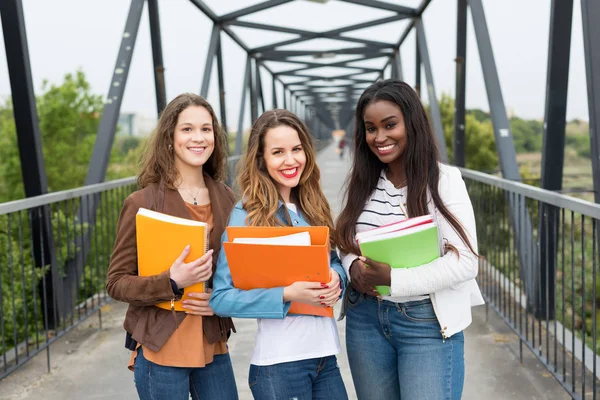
x,y
206,10
29,140
259,90
253,9
253,87
557,84
520,218
272,28
331,34
210,56
504,139
222,102
274,95
409,12
112,107
296,53
590,11
434,108
461,73
417,66
278,56
157,56
245,85
397,66
367,24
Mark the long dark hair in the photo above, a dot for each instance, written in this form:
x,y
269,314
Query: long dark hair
x,y
420,159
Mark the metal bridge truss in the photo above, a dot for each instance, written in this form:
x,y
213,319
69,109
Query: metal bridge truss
x,y
329,109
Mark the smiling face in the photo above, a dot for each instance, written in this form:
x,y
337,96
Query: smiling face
x,y
284,157
385,131
194,138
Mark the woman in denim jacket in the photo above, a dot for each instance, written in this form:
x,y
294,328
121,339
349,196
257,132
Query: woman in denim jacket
x,y
294,355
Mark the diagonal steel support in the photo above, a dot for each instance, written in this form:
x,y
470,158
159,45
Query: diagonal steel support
x,y
461,73
418,65
557,83
157,56
274,95
434,107
103,146
381,5
112,107
520,218
253,9
397,66
222,102
245,87
504,139
259,90
210,57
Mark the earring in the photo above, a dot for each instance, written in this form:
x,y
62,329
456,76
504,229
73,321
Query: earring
x,y
170,147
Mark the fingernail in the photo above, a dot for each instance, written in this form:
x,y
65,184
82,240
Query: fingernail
x,y
324,286
321,297
322,303
361,258
187,247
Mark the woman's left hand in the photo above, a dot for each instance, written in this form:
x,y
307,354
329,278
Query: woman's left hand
x,y
198,305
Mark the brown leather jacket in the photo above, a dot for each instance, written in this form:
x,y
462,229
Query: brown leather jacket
x,y
149,325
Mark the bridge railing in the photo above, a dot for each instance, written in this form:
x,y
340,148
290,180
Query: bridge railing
x,y
555,317
42,298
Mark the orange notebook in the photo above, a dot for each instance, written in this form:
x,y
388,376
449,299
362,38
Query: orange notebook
x,y
160,240
267,266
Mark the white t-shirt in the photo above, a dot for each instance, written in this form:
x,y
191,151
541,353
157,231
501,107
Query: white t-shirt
x,y
294,338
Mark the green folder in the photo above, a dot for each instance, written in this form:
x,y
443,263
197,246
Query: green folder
x,y
405,251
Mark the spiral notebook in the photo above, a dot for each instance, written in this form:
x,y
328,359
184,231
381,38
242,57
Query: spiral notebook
x,y
160,240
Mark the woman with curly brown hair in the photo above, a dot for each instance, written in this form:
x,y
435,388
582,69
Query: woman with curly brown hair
x,y
294,355
175,354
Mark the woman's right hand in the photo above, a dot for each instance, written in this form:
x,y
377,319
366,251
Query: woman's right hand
x,y
186,274
313,293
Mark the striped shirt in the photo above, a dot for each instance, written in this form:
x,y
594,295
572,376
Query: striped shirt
x,y
386,205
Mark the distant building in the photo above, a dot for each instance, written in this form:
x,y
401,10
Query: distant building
x,y
135,124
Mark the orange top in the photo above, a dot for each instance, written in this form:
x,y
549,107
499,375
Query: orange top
x,y
183,348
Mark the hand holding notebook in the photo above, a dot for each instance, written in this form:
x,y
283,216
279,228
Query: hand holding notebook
x,y
186,274
404,244
257,259
160,240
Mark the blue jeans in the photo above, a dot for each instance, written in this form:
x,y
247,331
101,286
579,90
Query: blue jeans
x,y
315,378
157,382
396,351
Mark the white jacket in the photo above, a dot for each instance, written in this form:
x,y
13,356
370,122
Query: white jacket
x,y
449,280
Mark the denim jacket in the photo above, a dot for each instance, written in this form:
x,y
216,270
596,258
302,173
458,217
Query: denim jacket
x,y
226,300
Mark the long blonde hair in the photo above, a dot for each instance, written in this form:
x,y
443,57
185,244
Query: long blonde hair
x,y
158,161
260,197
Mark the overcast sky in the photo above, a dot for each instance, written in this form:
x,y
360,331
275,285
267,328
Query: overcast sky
x,y
65,35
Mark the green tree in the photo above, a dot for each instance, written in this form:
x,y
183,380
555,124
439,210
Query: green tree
x,y
527,135
69,115
480,146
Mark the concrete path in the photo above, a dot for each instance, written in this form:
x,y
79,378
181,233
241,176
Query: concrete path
x,y
91,364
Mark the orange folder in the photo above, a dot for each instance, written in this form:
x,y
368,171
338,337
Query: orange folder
x,y
267,266
160,240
